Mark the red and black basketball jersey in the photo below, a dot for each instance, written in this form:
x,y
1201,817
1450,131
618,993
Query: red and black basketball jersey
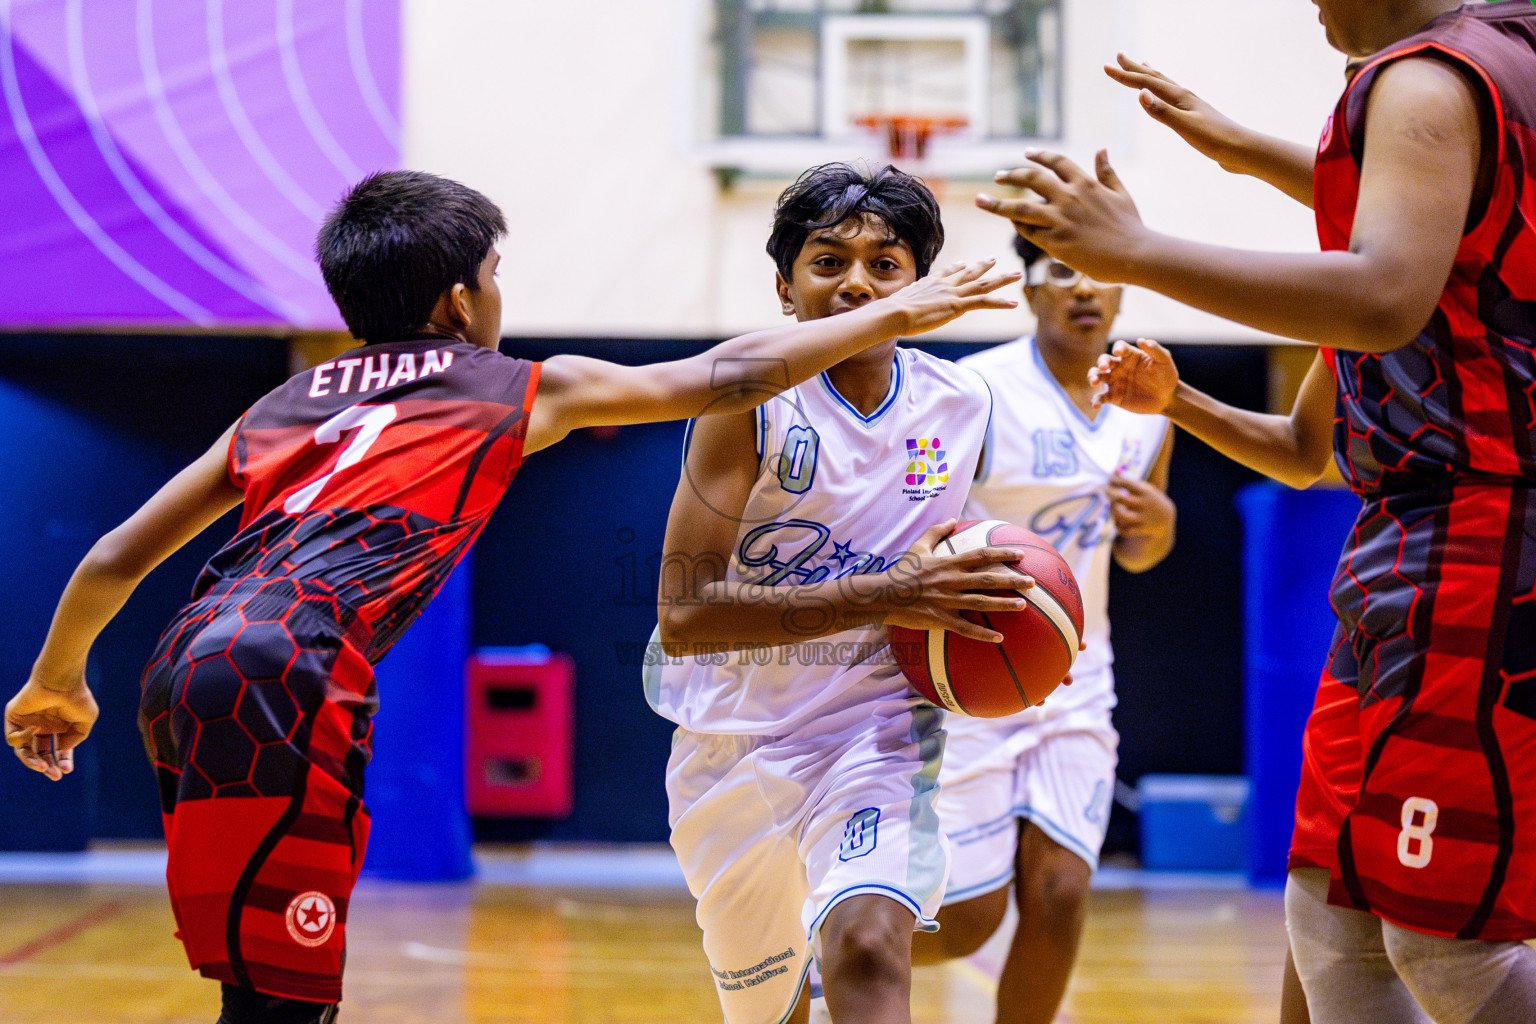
x,y
1426,776
1458,404
368,477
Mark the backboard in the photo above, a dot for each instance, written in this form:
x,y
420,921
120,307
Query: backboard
x,y
783,84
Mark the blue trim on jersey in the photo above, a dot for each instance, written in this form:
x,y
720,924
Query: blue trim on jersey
x,y
760,413
980,888
890,396
985,469
687,441
1053,831
794,999
924,924
1060,836
1050,378
984,830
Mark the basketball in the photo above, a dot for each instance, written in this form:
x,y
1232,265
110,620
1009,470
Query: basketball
x,y
985,680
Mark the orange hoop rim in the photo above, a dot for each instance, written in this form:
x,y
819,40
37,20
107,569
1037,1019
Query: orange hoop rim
x,y
906,135
913,122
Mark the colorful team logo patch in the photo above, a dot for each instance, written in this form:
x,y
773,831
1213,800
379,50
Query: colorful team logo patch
x,y
925,462
311,918
1130,457
927,471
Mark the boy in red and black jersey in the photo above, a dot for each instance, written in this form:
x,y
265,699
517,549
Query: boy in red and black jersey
x,y
1418,797
364,480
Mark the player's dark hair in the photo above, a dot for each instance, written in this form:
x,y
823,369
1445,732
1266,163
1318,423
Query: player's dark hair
x,y
1028,251
827,195
395,242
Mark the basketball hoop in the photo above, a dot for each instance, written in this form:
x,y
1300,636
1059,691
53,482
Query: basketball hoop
x,y
906,135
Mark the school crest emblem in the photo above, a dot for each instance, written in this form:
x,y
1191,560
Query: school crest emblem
x,y
311,918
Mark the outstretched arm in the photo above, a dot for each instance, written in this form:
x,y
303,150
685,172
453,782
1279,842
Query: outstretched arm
x,y
54,711
1293,449
1285,165
740,374
701,612
1416,187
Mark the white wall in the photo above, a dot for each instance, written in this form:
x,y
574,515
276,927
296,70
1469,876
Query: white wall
x,y
577,117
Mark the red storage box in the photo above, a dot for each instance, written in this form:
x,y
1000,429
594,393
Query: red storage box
x,y
520,734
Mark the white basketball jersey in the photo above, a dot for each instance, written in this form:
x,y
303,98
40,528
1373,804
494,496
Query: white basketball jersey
x,y
1047,468
837,495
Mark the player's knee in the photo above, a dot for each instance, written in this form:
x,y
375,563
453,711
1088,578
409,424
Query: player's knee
x,y
866,946
1326,939
1056,892
1464,979
247,1006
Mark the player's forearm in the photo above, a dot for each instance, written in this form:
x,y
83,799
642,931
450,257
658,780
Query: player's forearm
x,y
1142,551
1286,165
1342,299
1264,442
97,591
735,616
741,373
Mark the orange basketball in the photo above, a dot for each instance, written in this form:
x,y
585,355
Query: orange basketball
x,y
985,680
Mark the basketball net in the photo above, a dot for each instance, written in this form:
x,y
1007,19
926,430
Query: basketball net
x,y
906,140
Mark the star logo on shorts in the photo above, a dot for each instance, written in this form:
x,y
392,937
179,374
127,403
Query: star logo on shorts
x,y
311,918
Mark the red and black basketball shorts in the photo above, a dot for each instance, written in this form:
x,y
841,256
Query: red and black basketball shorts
x,y
1440,595
1330,763
257,716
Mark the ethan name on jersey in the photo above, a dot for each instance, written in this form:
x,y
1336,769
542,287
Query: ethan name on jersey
x,y
370,373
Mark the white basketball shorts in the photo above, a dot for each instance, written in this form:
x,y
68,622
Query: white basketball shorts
x,y
773,832
1057,773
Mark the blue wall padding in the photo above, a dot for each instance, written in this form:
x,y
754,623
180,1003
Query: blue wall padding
x,y
35,531
94,424
1291,547
415,782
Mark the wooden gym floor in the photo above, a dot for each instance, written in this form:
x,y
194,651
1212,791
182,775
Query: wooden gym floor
x,y
537,946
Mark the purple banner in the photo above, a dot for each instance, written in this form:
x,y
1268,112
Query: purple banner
x,y
167,162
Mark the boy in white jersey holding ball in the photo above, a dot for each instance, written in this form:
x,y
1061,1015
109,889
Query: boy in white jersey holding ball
x,y
803,772
1026,798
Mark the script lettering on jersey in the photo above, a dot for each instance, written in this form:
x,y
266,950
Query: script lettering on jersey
x,y
1081,519
369,373
791,564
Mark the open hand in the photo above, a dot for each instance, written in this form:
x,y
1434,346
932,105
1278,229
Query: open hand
x,y
1089,222
44,726
1195,121
929,590
1138,378
940,297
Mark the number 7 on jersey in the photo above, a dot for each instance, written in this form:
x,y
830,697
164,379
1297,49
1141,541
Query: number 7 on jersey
x,y
369,421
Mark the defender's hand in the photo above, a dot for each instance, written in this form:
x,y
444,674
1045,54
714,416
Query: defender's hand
x,y
1088,222
1139,508
1207,129
44,726
927,590
940,297
1139,378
